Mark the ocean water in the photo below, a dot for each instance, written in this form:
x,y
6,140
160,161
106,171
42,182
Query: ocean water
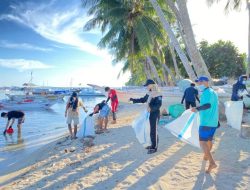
x,y
40,128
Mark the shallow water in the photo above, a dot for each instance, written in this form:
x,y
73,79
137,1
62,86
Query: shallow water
x,y
40,128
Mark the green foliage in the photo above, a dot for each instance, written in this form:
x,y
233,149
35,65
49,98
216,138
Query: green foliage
x,y
223,59
130,29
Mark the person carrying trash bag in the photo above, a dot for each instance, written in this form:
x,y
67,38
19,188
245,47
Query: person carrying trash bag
x,y
154,102
239,89
209,119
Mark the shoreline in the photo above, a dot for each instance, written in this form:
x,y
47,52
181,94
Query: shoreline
x,y
118,161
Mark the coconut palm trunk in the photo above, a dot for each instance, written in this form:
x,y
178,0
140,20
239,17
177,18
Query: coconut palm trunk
x,y
195,56
173,55
146,69
168,70
154,70
173,40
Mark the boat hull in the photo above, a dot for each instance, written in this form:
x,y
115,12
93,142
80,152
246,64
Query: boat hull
x,y
13,105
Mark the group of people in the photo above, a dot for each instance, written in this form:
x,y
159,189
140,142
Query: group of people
x,y
72,112
208,111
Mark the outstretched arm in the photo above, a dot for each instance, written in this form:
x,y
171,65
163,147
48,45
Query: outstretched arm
x,y
140,100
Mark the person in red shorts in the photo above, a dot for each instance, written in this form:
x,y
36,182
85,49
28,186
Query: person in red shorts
x,y
114,102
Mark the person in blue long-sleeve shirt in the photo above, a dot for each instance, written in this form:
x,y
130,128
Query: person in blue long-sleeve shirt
x,y
190,96
240,85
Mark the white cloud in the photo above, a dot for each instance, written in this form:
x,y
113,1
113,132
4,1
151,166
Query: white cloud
x,y
53,22
23,64
24,46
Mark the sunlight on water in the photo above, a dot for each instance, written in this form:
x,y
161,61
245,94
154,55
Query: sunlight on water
x,y
40,127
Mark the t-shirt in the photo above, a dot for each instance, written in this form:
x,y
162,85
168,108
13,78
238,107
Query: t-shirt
x,y
101,105
15,115
76,112
209,117
190,94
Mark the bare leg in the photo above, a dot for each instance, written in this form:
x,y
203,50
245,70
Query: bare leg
x,y
100,124
106,123
210,146
206,151
70,130
19,128
75,131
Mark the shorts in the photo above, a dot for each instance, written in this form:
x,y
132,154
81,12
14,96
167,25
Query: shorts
x,y
20,120
74,119
206,133
104,112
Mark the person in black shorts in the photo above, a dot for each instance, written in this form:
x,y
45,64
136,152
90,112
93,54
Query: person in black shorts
x,y
190,96
12,115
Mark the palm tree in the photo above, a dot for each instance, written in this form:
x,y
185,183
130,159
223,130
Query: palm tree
x,y
173,39
130,29
236,5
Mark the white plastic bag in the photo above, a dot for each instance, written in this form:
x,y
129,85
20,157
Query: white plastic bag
x,y
186,128
87,127
141,127
246,101
242,92
234,113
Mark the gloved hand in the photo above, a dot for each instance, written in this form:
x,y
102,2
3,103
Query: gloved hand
x,y
248,95
131,99
4,133
181,102
91,114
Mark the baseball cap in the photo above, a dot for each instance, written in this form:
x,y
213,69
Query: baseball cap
x,y
203,79
148,82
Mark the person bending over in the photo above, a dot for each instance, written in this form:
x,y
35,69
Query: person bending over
x,y
103,110
12,116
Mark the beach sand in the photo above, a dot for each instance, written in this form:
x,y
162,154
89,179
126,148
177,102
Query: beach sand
x,y
118,161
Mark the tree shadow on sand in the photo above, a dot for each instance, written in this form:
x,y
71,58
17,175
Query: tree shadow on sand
x,y
233,170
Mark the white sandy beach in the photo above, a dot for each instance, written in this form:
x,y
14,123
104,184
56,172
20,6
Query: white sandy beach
x,y
118,161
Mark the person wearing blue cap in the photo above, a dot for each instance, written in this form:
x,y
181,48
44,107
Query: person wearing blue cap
x,y
154,100
209,119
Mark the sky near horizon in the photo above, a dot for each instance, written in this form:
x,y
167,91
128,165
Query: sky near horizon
x,y
47,37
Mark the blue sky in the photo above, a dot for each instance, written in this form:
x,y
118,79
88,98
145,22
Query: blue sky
x,y
47,37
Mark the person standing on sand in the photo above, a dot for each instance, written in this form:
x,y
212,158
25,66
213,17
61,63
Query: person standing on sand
x,y
72,113
104,110
190,96
238,88
12,115
114,102
209,119
154,102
